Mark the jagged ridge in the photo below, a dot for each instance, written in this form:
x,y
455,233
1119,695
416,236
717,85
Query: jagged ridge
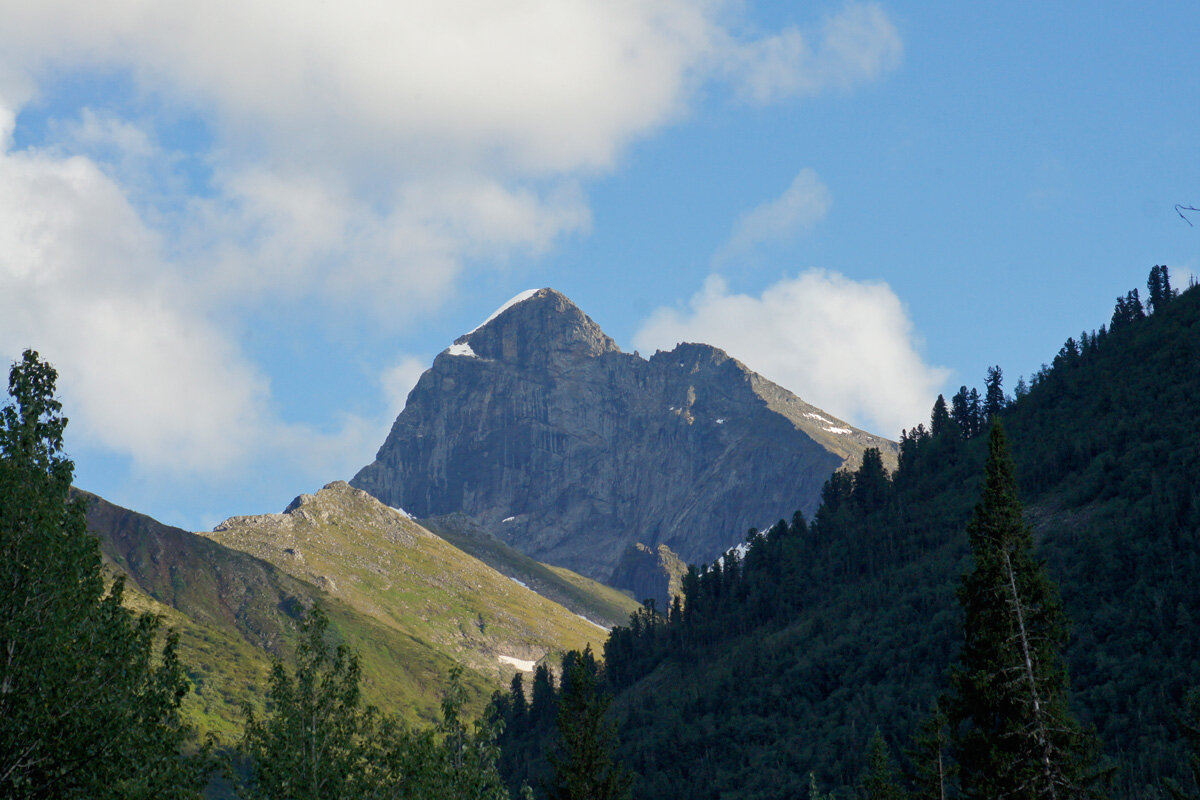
x,y
539,428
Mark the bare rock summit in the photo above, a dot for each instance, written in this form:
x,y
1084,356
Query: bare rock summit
x,y
540,429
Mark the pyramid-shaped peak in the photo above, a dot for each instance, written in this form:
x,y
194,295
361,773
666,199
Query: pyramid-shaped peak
x,y
536,322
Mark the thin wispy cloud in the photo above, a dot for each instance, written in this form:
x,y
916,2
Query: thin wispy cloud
x,y
803,204
852,47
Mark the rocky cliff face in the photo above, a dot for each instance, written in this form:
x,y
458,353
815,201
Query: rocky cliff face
x,y
537,426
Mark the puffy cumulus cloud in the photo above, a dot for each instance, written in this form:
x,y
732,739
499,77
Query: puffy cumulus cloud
x,y
141,371
845,346
548,85
368,153
804,203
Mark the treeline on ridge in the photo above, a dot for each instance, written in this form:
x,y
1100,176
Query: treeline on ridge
x,y
783,662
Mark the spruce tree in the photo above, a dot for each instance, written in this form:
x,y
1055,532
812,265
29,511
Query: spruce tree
x,y
993,401
1014,736
879,781
934,770
88,708
585,765
872,486
940,421
1154,289
965,411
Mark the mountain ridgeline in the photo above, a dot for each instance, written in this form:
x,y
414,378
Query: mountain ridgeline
x,y
541,431
833,625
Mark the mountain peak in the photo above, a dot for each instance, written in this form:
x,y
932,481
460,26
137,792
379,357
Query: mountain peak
x,y
540,430
535,324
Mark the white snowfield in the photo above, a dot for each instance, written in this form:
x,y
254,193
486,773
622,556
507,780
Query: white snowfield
x,y
463,349
519,663
839,430
521,298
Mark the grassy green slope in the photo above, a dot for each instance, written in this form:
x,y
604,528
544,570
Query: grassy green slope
x,y
235,613
601,604
385,566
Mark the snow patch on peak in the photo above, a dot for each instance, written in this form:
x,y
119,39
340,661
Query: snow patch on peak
x,y
839,430
520,298
463,349
817,417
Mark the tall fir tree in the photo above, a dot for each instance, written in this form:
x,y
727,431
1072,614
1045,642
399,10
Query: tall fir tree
x,y
1014,735
993,396
930,756
584,762
872,486
87,706
964,410
940,421
1154,289
880,780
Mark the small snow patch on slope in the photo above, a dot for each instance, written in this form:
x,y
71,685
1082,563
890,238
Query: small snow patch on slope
x,y
592,622
519,663
839,430
463,349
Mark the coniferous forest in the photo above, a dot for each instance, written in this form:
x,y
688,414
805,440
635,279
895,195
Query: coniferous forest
x,y
1010,613
773,673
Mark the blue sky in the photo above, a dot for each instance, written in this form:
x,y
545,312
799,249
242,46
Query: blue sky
x,y
240,230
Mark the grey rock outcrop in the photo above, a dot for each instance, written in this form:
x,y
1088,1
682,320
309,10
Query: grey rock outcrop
x,y
537,426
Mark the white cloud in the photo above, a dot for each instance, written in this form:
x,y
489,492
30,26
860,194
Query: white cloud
x,y
367,153
398,380
142,372
855,46
804,203
845,346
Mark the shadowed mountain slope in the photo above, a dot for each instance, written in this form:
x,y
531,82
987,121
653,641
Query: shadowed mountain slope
x,y
785,661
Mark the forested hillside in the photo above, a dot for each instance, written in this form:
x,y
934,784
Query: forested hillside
x,y
786,661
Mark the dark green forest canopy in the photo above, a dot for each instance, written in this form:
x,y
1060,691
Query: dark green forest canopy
x,y
785,662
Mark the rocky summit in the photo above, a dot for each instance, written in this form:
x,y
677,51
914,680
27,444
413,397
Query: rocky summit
x,y
539,428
